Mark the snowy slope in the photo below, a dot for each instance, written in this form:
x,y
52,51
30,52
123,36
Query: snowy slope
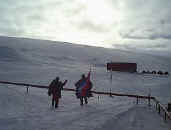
x,y
32,111
38,62
136,118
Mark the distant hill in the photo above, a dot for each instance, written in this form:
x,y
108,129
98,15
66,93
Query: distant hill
x,y
52,53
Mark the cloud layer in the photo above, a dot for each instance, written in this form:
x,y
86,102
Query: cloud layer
x,y
138,24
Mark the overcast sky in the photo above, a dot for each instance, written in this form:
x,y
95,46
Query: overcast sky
x,y
126,24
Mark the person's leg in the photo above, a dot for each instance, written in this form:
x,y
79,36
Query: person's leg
x,y
56,102
81,101
85,99
53,102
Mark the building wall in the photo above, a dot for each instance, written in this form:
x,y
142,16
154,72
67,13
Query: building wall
x,y
124,67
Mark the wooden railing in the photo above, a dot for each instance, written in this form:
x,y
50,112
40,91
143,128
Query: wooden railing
x,y
162,110
70,89
159,107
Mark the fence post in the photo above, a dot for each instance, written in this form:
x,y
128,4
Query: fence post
x,y
149,103
137,99
27,88
110,93
165,116
159,108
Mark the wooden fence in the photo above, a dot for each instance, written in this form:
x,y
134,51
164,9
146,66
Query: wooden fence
x,y
70,89
162,110
159,107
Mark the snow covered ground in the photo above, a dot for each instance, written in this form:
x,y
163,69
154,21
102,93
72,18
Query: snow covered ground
x,y
38,62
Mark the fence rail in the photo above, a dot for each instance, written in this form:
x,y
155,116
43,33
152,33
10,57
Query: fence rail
x,y
159,106
162,110
70,89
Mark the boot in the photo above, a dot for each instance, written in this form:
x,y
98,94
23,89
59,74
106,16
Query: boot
x,y
81,101
86,102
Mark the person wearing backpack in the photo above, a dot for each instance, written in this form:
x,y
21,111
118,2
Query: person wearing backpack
x,y
83,89
55,89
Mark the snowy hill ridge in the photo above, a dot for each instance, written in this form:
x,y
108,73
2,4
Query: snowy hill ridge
x,y
56,51
40,61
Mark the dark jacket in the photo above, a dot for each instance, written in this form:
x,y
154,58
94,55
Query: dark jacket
x,y
55,88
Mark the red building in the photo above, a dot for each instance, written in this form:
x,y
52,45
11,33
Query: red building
x,y
122,66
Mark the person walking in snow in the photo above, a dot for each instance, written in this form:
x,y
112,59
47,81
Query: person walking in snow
x,y
83,89
55,88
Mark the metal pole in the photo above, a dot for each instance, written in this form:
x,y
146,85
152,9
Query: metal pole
x,y
111,82
149,97
98,98
149,103
110,93
137,100
111,76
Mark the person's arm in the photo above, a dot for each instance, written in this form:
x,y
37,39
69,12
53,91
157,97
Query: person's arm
x,y
64,83
50,88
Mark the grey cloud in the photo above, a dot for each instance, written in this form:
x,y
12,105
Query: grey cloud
x,y
161,36
149,36
147,20
18,15
163,50
142,24
147,45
